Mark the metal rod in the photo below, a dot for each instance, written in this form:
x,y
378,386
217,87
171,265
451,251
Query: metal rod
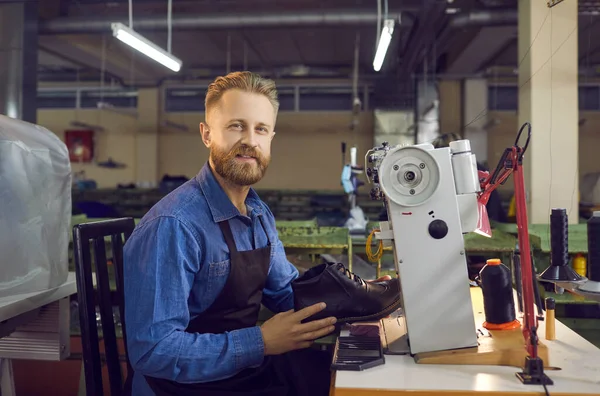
x,y
523,233
356,62
378,23
130,14
169,25
385,10
228,53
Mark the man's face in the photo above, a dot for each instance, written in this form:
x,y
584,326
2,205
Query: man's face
x,y
239,134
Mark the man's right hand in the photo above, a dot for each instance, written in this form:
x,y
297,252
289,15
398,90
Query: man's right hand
x,y
285,331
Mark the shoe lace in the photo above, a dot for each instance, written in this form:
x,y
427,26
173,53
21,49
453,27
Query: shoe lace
x,y
349,274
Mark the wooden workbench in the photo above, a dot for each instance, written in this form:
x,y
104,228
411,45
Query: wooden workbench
x,y
578,359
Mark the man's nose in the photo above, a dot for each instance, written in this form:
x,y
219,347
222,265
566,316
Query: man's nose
x,y
249,138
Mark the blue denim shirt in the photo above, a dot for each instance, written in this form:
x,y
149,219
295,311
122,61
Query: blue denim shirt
x,y
175,264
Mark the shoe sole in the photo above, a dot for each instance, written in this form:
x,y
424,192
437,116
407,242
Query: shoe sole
x,y
377,316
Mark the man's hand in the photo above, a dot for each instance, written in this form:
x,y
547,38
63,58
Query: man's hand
x,y
382,279
285,331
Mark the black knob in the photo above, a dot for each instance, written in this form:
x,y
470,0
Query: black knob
x,y
369,172
438,229
376,179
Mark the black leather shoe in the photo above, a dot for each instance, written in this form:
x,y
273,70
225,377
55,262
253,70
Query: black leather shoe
x,y
348,297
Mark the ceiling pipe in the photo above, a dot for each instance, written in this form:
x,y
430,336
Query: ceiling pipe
x,y
72,25
487,18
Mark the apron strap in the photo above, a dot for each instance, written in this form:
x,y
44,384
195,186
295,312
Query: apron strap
x,y
228,235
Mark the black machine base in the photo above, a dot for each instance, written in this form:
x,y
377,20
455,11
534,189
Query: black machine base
x,y
533,373
357,353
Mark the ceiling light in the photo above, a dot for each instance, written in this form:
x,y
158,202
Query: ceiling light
x,y
145,46
384,43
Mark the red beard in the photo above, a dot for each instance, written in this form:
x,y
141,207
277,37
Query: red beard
x,y
242,173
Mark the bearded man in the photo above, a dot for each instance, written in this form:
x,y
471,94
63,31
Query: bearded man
x,y
202,261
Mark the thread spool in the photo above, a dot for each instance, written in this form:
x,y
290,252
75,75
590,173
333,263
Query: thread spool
x,y
593,262
550,329
580,264
498,300
559,237
559,269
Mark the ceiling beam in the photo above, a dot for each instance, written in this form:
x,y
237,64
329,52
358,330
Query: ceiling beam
x,y
486,43
88,55
422,36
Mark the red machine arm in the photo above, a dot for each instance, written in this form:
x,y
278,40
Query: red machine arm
x,y
512,163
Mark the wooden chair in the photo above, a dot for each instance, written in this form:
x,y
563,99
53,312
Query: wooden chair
x,y
117,231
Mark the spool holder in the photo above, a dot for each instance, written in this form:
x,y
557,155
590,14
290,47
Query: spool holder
x,y
564,277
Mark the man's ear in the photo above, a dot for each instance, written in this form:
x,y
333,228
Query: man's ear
x,y
205,133
273,135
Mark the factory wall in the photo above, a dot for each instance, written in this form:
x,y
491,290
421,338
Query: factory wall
x,y
502,135
306,151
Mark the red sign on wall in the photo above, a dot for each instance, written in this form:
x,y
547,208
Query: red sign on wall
x,y
80,144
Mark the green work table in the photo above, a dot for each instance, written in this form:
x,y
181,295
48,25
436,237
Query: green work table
x,y
500,242
540,236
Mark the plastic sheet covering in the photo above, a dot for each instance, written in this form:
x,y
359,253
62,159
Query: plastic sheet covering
x,y
35,208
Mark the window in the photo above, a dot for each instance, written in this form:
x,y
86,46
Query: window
x,y
88,99
183,99
589,98
503,98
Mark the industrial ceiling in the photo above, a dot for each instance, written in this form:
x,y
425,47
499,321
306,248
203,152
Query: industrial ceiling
x,y
289,38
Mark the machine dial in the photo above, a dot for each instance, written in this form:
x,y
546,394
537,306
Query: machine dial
x,y
409,175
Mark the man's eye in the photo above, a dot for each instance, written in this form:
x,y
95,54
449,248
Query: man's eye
x,y
239,126
263,130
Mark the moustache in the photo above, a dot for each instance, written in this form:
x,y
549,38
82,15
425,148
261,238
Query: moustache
x,y
246,152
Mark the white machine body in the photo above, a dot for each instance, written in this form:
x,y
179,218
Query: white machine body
x,y
431,200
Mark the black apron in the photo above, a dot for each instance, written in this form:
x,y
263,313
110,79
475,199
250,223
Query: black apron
x,y
297,373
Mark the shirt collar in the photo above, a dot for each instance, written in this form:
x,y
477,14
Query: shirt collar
x,y
219,203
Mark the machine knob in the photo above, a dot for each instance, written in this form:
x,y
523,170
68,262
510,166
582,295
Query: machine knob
x,y
438,229
376,179
369,172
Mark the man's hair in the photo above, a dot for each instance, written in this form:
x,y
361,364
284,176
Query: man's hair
x,y
245,81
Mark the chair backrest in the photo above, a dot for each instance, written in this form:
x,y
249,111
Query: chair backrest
x,y
84,235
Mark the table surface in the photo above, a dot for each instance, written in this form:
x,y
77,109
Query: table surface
x,y
18,304
578,359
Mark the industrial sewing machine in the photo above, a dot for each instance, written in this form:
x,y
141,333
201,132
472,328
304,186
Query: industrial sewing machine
x,y
433,197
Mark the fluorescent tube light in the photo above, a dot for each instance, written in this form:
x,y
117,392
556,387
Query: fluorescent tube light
x,y
145,46
384,43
